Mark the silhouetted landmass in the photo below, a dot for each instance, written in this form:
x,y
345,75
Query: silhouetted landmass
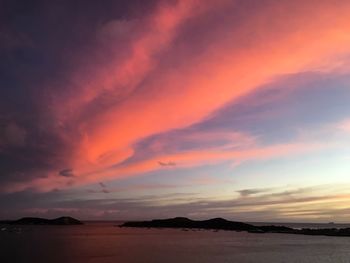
x,y
66,220
4,222
223,224
345,232
183,222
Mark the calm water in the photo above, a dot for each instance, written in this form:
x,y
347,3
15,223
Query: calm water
x,y
105,243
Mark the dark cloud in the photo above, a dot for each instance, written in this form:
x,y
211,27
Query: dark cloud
x,y
31,153
166,163
103,189
248,192
67,172
106,191
99,191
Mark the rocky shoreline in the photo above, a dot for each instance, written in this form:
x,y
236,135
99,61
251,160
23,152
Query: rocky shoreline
x,y
223,224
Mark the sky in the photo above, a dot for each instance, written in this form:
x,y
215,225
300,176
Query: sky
x,y
132,109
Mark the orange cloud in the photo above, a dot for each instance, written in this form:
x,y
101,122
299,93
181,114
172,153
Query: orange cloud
x,y
222,74
120,75
144,94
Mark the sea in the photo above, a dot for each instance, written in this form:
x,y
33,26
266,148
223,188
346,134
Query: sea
x,y
104,242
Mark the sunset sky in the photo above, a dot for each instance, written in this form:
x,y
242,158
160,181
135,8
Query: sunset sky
x,y
135,109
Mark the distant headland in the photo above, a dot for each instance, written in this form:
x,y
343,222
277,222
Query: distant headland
x,y
223,224
64,220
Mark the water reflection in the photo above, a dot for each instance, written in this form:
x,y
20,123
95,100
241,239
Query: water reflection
x,y
104,243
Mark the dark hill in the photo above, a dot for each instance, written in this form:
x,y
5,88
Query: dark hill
x,y
182,222
220,223
43,221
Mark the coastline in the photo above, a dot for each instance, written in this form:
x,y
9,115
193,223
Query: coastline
x,y
223,224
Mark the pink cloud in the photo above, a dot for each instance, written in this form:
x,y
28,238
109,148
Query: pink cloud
x,y
189,97
344,126
122,94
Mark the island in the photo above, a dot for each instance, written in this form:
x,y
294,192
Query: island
x,y
223,224
64,220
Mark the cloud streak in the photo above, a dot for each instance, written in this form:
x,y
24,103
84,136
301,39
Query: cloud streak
x,y
288,204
